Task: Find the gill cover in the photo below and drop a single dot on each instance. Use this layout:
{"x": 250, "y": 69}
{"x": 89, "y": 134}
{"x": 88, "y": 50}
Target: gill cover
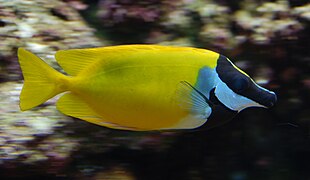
{"x": 237, "y": 91}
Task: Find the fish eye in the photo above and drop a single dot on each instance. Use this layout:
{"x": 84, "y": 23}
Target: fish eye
{"x": 241, "y": 84}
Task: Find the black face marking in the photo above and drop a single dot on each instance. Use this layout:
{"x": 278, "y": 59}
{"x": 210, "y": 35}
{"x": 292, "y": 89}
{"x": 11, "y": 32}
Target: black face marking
{"x": 220, "y": 113}
{"x": 242, "y": 84}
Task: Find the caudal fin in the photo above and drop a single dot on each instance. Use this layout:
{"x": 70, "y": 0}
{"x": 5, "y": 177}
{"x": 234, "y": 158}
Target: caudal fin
{"x": 41, "y": 82}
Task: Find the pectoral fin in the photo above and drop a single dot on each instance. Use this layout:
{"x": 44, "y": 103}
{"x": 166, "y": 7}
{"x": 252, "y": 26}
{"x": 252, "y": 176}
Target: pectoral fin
{"x": 194, "y": 100}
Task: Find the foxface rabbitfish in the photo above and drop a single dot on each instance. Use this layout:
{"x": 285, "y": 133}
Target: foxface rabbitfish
{"x": 142, "y": 87}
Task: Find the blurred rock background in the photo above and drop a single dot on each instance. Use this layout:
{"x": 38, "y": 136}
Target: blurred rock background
{"x": 267, "y": 39}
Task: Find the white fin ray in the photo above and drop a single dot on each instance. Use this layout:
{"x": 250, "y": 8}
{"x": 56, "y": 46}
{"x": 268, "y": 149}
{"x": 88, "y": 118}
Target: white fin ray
{"x": 190, "y": 99}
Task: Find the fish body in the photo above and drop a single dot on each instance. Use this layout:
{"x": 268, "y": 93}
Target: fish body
{"x": 140, "y": 87}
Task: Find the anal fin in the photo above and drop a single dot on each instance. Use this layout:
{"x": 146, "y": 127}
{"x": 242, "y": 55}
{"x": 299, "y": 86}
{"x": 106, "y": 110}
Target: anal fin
{"x": 74, "y": 106}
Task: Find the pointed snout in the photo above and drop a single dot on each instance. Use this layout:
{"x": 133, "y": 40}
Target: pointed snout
{"x": 270, "y": 99}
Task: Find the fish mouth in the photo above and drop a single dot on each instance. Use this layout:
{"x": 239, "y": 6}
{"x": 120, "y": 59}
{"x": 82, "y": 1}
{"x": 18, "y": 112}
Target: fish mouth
{"x": 270, "y": 100}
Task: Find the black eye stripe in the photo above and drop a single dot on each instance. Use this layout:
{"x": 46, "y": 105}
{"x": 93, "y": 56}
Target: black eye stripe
{"x": 240, "y": 84}
{"x": 233, "y": 78}
{"x": 230, "y": 76}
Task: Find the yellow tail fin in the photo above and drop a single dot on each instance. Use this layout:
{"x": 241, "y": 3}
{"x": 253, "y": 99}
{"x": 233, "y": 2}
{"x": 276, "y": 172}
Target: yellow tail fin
{"x": 41, "y": 82}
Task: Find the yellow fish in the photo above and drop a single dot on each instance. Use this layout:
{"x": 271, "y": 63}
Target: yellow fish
{"x": 142, "y": 87}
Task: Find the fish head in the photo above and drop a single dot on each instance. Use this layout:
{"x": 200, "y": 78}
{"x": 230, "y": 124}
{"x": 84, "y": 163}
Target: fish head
{"x": 236, "y": 90}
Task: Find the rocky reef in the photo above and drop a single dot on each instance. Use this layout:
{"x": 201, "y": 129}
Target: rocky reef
{"x": 30, "y": 139}
{"x": 43, "y": 142}
{"x": 224, "y": 25}
{"x": 42, "y": 27}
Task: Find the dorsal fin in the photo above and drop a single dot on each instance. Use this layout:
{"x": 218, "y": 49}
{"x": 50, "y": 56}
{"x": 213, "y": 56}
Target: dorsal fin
{"x": 74, "y": 61}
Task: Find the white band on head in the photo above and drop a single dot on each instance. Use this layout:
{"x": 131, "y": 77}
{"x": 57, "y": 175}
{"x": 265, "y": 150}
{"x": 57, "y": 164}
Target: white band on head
{"x": 231, "y": 99}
